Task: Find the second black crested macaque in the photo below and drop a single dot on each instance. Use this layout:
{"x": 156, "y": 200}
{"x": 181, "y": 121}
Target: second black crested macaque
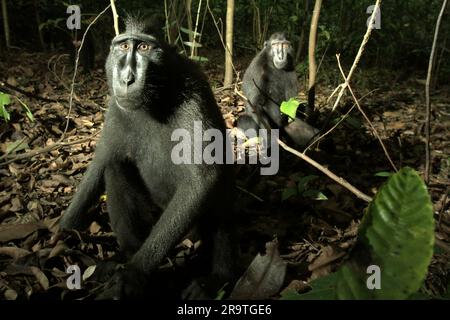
{"x": 155, "y": 91}
{"x": 269, "y": 80}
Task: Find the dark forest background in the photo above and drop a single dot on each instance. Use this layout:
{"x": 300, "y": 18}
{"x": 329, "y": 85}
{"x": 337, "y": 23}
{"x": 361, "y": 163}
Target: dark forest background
{"x": 314, "y": 219}
{"x": 402, "y": 45}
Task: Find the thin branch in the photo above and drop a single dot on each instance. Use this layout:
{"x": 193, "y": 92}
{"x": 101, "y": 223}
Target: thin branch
{"x": 375, "y": 132}
{"x": 60, "y": 142}
{"x": 115, "y": 16}
{"x": 72, "y": 86}
{"x": 194, "y": 39}
{"x": 327, "y": 172}
{"x": 337, "y": 124}
{"x": 359, "y": 54}
{"x": 250, "y": 194}
{"x": 166, "y": 14}
{"x": 27, "y": 94}
{"x": 49, "y": 148}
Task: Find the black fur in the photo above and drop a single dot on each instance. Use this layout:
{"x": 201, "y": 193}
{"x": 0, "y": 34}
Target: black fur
{"x": 153, "y": 93}
{"x": 268, "y": 81}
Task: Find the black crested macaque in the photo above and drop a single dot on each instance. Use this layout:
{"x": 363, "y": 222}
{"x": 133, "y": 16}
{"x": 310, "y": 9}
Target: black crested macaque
{"x": 155, "y": 91}
{"x": 268, "y": 81}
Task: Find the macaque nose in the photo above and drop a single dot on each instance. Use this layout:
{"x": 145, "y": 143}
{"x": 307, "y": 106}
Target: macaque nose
{"x": 128, "y": 77}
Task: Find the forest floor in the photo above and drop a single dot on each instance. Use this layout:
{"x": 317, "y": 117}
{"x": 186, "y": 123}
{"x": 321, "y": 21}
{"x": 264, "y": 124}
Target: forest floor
{"x": 314, "y": 236}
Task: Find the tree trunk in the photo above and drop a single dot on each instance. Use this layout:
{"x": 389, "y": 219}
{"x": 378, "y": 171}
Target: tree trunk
{"x": 229, "y": 45}
{"x": 38, "y": 23}
{"x": 312, "y": 58}
{"x": 6, "y": 24}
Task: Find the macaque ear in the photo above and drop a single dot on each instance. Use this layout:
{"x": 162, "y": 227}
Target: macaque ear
{"x": 266, "y": 43}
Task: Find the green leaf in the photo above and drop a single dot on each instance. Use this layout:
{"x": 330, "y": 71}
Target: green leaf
{"x": 419, "y": 296}
{"x": 191, "y": 32}
{"x": 447, "y": 294}
{"x": 288, "y": 192}
{"x": 353, "y": 122}
{"x": 326, "y": 34}
{"x": 398, "y": 234}
{"x": 4, "y": 100}
{"x": 221, "y": 292}
{"x": 200, "y": 59}
{"x": 383, "y": 174}
{"x": 314, "y": 194}
{"x": 323, "y": 288}
{"x": 291, "y": 294}
{"x": 301, "y": 68}
{"x": 289, "y": 108}
{"x": 27, "y": 110}
{"x": 17, "y": 146}
{"x": 4, "y": 113}
{"x": 303, "y": 182}
{"x": 192, "y": 44}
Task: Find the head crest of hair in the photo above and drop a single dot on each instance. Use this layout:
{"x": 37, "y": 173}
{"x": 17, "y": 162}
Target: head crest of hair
{"x": 135, "y": 24}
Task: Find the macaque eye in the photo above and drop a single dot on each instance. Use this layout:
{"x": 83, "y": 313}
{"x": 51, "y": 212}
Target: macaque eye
{"x": 124, "y": 46}
{"x": 144, "y": 46}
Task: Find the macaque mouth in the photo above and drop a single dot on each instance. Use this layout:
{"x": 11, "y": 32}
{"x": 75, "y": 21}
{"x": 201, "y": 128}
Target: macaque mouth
{"x": 128, "y": 77}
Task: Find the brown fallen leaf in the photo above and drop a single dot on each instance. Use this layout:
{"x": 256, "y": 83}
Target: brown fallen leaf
{"x": 89, "y": 272}
{"x": 10, "y": 294}
{"x": 10, "y": 232}
{"x": 58, "y": 273}
{"x": 41, "y": 277}
{"x": 264, "y": 277}
{"x": 36, "y": 247}
{"x": 322, "y": 265}
{"x": 36, "y": 207}
{"x": 13, "y": 252}
{"x": 52, "y": 224}
{"x": 59, "y": 248}
{"x": 12, "y": 81}
{"x": 62, "y": 179}
{"x": 395, "y": 125}
{"x": 16, "y": 205}
{"x": 94, "y": 228}
{"x": 14, "y": 269}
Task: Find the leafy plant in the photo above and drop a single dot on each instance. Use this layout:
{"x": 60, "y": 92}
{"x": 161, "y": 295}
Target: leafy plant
{"x": 396, "y": 235}
{"x": 4, "y": 101}
{"x": 289, "y": 108}
{"x": 27, "y": 110}
{"x": 16, "y": 146}
{"x": 383, "y": 174}
{"x": 292, "y": 107}
{"x": 303, "y": 189}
